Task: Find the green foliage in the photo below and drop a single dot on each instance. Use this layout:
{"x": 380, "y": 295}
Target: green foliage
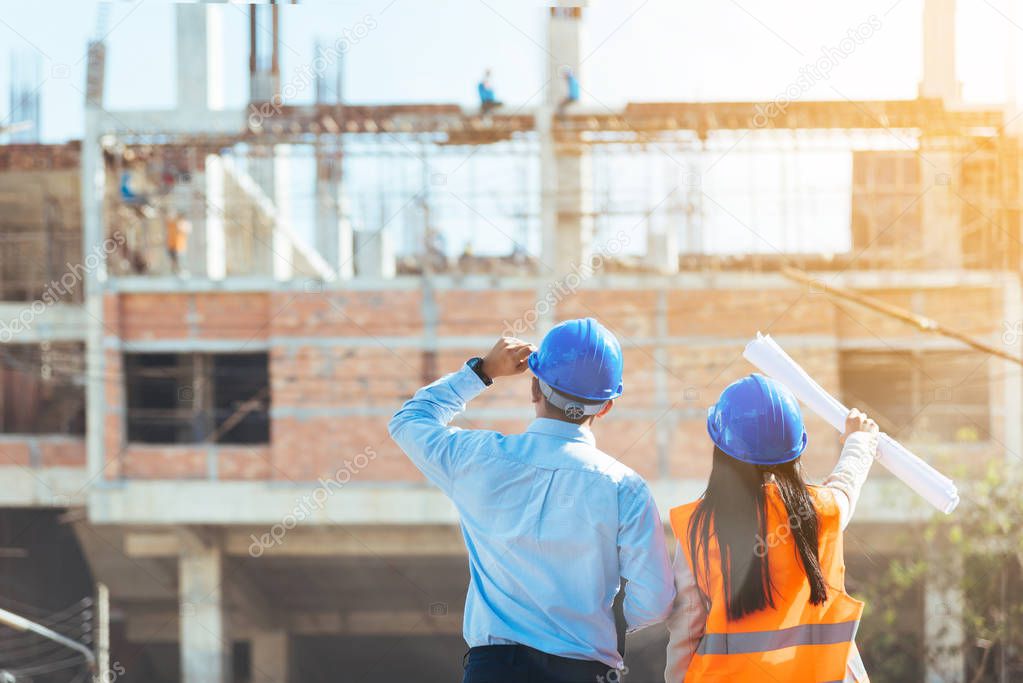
{"x": 977, "y": 553}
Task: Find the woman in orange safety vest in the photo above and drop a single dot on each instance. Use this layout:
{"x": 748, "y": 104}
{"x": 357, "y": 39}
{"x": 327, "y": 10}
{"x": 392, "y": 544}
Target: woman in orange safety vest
{"x": 759, "y": 568}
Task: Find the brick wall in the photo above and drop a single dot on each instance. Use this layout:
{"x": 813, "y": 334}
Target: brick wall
{"x": 28, "y": 157}
{"x": 342, "y": 362}
{"x": 25, "y": 450}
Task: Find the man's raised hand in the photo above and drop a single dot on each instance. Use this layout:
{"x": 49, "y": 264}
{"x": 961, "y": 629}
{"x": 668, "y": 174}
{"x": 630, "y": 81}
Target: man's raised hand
{"x": 508, "y": 357}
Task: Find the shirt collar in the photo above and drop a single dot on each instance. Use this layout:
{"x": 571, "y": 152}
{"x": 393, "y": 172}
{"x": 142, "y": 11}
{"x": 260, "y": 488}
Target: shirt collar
{"x": 562, "y": 430}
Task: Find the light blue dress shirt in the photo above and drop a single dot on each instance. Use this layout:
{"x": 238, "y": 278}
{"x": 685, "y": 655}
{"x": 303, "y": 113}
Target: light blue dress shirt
{"x": 550, "y": 523}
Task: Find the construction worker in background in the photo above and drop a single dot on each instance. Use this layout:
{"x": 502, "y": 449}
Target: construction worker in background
{"x": 179, "y": 229}
{"x": 571, "y": 91}
{"x": 551, "y": 523}
{"x": 488, "y": 100}
{"x": 759, "y": 569}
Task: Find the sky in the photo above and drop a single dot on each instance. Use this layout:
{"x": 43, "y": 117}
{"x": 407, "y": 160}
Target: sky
{"x": 652, "y": 50}
{"x": 435, "y": 52}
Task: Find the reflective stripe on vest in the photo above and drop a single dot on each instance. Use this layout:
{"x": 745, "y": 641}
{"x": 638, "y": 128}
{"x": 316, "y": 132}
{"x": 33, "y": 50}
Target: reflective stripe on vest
{"x": 765, "y": 641}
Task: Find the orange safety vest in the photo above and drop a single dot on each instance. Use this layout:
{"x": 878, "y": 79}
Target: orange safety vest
{"x": 793, "y": 642}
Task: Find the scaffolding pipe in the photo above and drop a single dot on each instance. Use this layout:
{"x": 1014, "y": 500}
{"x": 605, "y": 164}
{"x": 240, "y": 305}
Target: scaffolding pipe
{"x": 922, "y": 323}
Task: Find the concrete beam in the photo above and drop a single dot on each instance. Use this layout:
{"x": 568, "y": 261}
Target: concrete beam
{"x": 370, "y": 506}
{"x": 422, "y": 342}
{"x": 159, "y": 626}
{"x": 33, "y": 322}
{"x": 316, "y": 541}
{"x": 42, "y": 487}
{"x": 137, "y": 124}
{"x": 688, "y": 281}
{"x": 151, "y": 544}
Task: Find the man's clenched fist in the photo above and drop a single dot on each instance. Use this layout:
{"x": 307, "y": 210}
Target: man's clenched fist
{"x": 508, "y": 357}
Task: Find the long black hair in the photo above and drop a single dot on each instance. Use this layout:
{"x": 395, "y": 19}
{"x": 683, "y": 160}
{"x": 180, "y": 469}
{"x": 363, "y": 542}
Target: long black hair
{"x": 735, "y": 504}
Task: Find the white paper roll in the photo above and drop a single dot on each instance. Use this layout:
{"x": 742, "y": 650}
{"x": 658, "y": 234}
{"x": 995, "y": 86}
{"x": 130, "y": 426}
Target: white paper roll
{"x": 771, "y": 359}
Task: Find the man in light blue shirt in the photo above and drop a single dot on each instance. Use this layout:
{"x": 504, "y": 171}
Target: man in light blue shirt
{"x": 551, "y": 523}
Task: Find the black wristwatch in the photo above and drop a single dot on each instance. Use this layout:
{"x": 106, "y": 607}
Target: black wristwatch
{"x": 477, "y": 366}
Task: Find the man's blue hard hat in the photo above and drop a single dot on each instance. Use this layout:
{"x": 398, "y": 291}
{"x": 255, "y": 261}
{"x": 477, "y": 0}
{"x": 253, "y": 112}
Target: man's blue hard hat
{"x": 580, "y": 358}
{"x": 757, "y": 420}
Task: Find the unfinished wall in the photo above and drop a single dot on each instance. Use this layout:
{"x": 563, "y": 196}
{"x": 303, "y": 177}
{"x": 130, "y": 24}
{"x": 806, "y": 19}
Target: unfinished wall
{"x": 40, "y": 220}
{"x": 340, "y": 363}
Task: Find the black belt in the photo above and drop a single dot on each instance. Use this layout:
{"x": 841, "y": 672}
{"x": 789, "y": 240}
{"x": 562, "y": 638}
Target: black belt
{"x": 552, "y": 664}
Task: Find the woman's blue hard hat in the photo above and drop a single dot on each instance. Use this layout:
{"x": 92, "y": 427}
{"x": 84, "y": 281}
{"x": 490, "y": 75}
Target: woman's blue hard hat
{"x": 758, "y": 421}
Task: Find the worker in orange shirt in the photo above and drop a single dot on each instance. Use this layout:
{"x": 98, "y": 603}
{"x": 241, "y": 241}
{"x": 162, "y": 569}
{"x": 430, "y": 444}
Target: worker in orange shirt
{"x": 759, "y": 571}
{"x": 178, "y": 230}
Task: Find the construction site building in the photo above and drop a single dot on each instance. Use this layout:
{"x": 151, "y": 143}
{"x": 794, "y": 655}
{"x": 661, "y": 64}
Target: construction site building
{"x": 198, "y": 386}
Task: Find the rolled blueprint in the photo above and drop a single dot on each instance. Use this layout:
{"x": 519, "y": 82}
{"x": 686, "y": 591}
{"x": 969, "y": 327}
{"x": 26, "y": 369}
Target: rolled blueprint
{"x": 931, "y": 485}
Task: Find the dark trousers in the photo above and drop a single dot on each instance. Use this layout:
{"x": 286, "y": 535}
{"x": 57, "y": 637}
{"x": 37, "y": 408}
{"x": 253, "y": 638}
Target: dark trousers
{"x": 521, "y": 664}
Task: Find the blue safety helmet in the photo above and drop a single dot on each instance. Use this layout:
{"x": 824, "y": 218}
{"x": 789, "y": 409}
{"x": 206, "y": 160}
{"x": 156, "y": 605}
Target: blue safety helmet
{"x": 757, "y": 420}
{"x": 580, "y": 358}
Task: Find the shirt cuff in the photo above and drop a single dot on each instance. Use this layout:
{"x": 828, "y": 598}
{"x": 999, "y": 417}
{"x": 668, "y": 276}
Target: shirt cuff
{"x": 466, "y": 383}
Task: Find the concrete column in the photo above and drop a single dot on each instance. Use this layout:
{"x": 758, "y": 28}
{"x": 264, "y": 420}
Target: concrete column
{"x": 191, "y": 57}
{"x": 566, "y": 176}
{"x": 662, "y": 246}
{"x": 943, "y": 632}
{"x": 574, "y": 202}
{"x": 271, "y": 657}
{"x": 564, "y": 46}
{"x": 283, "y": 250}
{"x": 940, "y": 207}
{"x": 374, "y": 254}
{"x": 215, "y": 241}
{"x": 940, "y": 52}
{"x": 205, "y": 642}
{"x": 93, "y": 181}
{"x": 333, "y": 225}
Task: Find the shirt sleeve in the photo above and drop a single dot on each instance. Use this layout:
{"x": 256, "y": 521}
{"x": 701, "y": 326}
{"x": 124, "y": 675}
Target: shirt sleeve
{"x": 686, "y": 623}
{"x": 851, "y": 471}
{"x": 643, "y": 558}
{"x": 421, "y": 428}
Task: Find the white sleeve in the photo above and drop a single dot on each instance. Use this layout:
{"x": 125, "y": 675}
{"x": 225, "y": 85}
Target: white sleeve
{"x": 851, "y": 471}
{"x": 686, "y": 623}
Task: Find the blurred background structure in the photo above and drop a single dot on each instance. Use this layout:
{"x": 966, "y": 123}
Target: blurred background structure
{"x": 208, "y": 316}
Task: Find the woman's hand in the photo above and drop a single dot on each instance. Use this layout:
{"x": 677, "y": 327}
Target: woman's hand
{"x": 857, "y": 421}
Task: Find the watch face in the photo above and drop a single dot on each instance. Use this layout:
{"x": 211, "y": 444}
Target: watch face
{"x": 474, "y": 364}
